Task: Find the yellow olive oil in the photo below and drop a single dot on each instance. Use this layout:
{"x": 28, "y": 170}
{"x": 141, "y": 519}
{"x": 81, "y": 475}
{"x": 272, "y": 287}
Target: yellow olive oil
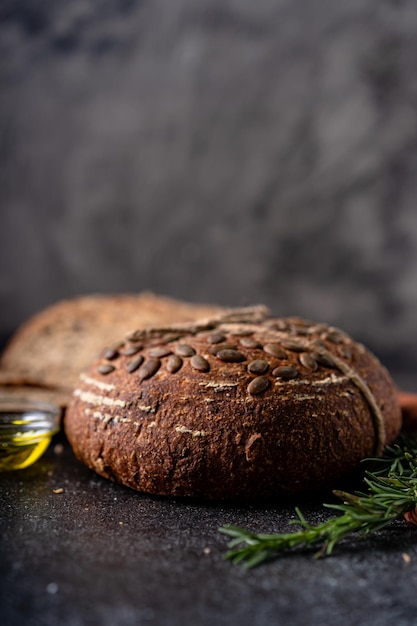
{"x": 23, "y": 439}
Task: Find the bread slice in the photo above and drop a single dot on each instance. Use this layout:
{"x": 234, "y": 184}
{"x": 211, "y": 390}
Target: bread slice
{"x": 50, "y": 349}
{"x": 58, "y": 396}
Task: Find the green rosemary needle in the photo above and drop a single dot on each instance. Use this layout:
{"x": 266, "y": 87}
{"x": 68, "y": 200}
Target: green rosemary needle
{"x": 391, "y": 492}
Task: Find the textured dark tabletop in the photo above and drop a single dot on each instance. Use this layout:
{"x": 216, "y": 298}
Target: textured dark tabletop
{"x": 101, "y": 554}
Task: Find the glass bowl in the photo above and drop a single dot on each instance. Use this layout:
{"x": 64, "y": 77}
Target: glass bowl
{"x": 26, "y": 430}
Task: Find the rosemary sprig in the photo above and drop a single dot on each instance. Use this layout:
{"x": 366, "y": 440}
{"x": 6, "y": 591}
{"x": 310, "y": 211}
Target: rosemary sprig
{"x": 391, "y": 492}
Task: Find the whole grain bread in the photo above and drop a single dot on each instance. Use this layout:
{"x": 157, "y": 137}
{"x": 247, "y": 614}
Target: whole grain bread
{"x": 50, "y": 349}
{"x": 239, "y": 406}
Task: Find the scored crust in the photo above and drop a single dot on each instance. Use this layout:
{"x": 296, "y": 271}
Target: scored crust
{"x": 238, "y": 406}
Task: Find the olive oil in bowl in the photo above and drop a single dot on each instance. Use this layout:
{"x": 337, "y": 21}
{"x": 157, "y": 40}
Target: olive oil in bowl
{"x": 26, "y": 430}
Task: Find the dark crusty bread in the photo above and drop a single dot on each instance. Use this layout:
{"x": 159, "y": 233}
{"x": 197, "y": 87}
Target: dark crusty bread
{"x": 51, "y": 348}
{"x": 239, "y": 406}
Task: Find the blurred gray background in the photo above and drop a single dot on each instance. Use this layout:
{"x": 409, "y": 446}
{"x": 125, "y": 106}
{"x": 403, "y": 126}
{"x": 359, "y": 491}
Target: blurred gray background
{"x": 217, "y": 151}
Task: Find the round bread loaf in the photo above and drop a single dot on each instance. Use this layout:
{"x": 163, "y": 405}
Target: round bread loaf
{"x": 240, "y": 406}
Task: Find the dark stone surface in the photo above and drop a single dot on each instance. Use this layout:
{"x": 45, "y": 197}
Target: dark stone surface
{"x": 100, "y": 555}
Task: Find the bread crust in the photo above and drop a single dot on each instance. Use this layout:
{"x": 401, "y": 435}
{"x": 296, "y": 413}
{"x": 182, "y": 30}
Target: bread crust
{"x": 298, "y": 410}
